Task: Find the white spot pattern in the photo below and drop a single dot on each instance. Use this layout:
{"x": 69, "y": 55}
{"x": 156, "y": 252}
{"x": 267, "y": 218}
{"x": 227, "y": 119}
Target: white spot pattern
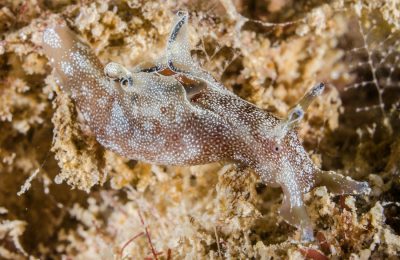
{"x": 67, "y": 68}
{"x": 51, "y": 38}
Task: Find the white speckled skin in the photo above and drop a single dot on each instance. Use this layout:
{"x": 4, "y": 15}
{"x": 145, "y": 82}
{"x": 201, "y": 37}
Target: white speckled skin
{"x": 176, "y": 114}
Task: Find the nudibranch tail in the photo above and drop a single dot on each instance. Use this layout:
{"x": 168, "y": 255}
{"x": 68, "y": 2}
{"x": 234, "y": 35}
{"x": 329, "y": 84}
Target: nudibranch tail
{"x": 81, "y": 74}
{"x": 65, "y": 50}
{"x": 55, "y": 42}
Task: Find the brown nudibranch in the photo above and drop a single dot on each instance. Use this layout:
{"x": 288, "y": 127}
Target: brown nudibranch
{"x": 175, "y": 113}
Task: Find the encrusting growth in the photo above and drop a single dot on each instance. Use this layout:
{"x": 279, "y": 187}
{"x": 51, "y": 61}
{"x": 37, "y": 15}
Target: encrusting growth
{"x": 174, "y": 113}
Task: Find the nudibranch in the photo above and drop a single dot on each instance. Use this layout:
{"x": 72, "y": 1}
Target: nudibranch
{"x": 172, "y": 112}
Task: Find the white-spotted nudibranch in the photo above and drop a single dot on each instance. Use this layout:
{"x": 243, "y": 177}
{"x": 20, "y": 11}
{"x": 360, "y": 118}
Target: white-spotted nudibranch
{"x": 174, "y": 113}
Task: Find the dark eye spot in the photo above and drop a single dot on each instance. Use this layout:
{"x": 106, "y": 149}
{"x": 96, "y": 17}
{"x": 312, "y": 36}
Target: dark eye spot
{"x": 277, "y": 148}
{"x": 126, "y": 82}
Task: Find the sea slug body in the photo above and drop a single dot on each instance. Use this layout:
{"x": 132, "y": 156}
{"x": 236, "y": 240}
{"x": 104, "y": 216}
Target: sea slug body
{"x": 175, "y": 113}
